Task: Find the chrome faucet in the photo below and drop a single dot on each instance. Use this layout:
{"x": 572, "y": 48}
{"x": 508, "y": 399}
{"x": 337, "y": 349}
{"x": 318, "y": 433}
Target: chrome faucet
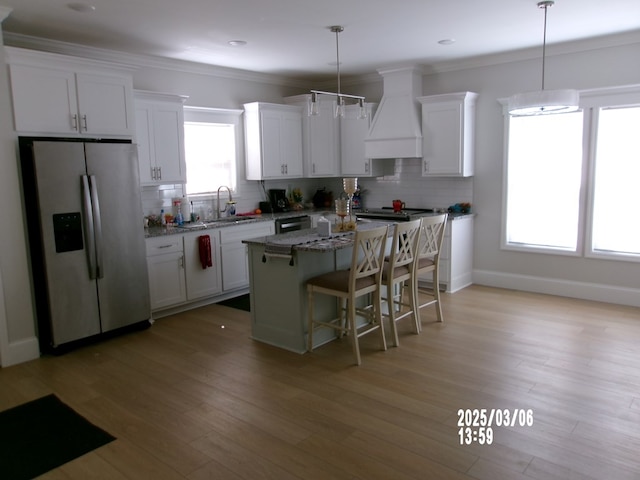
{"x": 218, "y": 207}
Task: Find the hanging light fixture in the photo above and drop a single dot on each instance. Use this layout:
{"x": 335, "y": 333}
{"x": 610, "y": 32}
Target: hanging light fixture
{"x": 340, "y": 97}
{"x": 544, "y": 102}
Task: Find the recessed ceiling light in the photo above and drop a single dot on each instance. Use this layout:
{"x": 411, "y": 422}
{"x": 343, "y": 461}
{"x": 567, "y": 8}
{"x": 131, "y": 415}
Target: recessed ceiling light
{"x": 237, "y": 43}
{"x": 447, "y": 41}
{"x": 81, "y": 7}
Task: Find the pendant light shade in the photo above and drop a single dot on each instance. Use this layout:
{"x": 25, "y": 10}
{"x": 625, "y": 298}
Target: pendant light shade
{"x": 340, "y": 97}
{"x": 544, "y": 102}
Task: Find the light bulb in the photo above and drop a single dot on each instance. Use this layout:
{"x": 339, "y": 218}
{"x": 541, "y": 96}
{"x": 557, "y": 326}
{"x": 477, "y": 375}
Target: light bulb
{"x": 362, "y": 110}
{"x": 340, "y": 108}
{"x": 313, "y": 104}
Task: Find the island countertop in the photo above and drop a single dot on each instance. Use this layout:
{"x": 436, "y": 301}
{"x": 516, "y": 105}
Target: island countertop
{"x": 279, "y": 267}
{"x": 308, "y": 240}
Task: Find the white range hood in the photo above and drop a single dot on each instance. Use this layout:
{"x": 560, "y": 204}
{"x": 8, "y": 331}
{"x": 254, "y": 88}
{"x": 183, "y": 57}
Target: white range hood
{"x": 396, "y": 129}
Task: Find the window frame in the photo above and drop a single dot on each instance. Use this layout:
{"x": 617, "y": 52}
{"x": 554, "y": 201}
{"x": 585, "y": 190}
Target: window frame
{"x": 590, "y": 101}
{"x": 224, "y": 116}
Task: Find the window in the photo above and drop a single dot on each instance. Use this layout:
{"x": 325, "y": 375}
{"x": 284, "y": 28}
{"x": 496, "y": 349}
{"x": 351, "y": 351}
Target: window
{"x": 543, "y": 179}
{"x": 616, "y": 221}
{"x": 570, "y": 179}
{"x": 211, "y": 139}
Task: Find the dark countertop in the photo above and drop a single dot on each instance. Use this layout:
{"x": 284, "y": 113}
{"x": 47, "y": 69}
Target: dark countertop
{"x": 308, "y": 240}
{"x": 223, "y": 223}
{"x": 242, "y": 220}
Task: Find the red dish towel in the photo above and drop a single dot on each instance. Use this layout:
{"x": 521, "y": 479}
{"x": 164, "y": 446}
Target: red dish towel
{"x": 204, "y": 244}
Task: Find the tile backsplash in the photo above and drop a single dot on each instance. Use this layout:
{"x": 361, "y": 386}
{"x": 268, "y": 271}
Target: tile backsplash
{"x": 403, "y": 180}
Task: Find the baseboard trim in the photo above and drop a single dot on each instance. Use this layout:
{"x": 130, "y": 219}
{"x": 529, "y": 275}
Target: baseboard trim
{"x": 21, "y": 351}
{"x": 562, "y": 288}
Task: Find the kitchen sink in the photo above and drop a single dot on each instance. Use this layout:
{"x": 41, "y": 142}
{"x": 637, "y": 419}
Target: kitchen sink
{"x": 229, "y": 220}
{"x": 213, "y": 223}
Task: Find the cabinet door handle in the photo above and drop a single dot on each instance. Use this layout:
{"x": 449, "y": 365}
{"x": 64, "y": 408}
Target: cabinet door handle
{"x": 181, "y": 260}
{"x": 286, "y": 169}
{"x": 159, "y": 173}
{"x": 74, "y": 122}
{"x": 425, "y": 166}
{"x": 313, "y": 168}
{"x": 84, "y": 122}
{"x": 366, "y": 167}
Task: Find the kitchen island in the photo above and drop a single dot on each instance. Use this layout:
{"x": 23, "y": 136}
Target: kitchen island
{"x": 279, "y": 266}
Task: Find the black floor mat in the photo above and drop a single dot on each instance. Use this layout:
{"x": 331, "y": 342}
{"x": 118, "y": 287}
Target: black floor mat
{"x": 241, "y": 303}
{"x": 43, "y": 434}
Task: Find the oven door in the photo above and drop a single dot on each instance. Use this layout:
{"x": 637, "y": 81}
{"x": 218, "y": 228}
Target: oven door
{"x": 291, "y": 224}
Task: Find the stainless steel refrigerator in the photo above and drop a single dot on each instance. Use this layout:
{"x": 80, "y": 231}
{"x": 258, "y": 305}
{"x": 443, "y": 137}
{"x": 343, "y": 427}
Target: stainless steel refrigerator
{"x": 86, "y": 235}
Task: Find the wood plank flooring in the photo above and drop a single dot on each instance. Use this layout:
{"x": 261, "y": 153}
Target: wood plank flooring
{"x": 194, "y": 397}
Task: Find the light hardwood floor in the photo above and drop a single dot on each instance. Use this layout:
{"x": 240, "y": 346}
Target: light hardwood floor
{"x": 194, "y": 397}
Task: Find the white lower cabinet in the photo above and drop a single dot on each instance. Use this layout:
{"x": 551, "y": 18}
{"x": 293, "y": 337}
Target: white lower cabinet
{"x": 233, "y": 253}
{"x": 165, "y": 262}
{"x": 201, "y": 282}
{"x": 176, "y": 276}
{"x": 456, "y": 258}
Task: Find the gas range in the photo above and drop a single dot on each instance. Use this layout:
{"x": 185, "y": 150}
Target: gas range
{"x": 387, "y": 213}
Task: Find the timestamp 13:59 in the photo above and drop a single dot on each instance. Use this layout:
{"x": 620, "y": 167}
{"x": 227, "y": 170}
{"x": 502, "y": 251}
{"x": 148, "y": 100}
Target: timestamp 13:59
{"x": 479, "y": 435}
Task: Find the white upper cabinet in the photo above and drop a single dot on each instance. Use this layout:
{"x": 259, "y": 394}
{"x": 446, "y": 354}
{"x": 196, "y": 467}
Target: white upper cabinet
{"x": 60, "y": 95}
{"x": 353, "y": 132}
{"x": 320, "y": 137}
{"x": 160, "y": 137}
{"x": 448, "y": 132}
{"x": 273, "y": 141}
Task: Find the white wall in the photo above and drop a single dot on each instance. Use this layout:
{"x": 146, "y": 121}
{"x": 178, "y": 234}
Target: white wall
{"x": 17, "y": 327}
{"x": 587, "y": 278}
{"x": 613, "y": 281}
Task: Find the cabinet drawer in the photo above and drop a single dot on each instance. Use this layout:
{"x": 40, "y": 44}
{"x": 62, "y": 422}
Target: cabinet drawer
{"x": 242, "y": 232}
{"x": 162, "y": 245}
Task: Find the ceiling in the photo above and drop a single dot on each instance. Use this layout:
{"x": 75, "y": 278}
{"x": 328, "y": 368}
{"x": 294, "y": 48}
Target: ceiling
{"x": 292, "y": 37}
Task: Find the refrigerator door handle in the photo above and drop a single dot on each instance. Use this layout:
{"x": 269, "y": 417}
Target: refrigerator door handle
{"x": 89, "y": 230}
{"x": 95, "y": 207}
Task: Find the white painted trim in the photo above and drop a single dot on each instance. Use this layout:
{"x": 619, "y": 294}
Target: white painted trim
{"x": 4, "y": 332}
{"x": 4, "y": 12}
{"x": 563, "y": 288}
{"x": 112, "y": 56}
{"x": 21, "y": 351}
{"x": 16, "y": 352}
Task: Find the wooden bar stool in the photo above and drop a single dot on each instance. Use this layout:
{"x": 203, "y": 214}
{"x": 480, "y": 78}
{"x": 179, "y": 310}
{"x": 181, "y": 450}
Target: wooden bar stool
{"x": 363, "y": 278}
{"x": 398, "y": 271}
{"x": 428, "y": 260}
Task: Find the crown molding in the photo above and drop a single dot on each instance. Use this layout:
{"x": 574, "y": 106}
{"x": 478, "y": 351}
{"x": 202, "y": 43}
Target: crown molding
{"x": 577, "y": 46}
{"x": 148, "y": 61}
{"x": 4, "y": 13}
{"x": 142, "y": 61}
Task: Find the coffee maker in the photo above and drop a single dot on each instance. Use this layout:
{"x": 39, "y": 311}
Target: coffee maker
{"x": 279, "y": 200}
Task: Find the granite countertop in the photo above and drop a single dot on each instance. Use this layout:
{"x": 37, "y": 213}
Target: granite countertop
{"x": 242, "y": 220}
{"x": 222, "y": 223}
{"x": 308, "y": 240}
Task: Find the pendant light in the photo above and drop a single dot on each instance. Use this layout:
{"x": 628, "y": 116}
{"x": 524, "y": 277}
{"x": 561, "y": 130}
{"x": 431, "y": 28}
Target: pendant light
{"x": 544, "y": 102}
{"x": 340, "y": 97}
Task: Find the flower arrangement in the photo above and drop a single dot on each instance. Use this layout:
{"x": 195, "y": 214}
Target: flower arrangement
{"x": 296, "y": 195}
